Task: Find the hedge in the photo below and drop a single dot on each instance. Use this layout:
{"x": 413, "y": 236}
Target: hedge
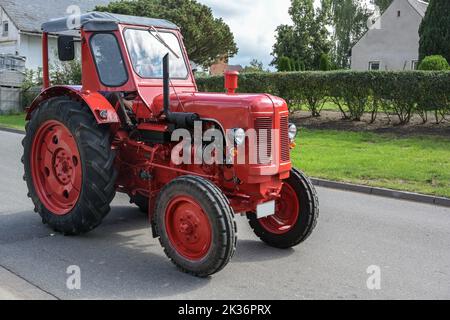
{"x": 400, "y": 93}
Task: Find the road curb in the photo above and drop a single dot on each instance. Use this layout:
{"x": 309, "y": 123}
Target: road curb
{"x": 387, "y": 193}
{"x": 11, "y": 130}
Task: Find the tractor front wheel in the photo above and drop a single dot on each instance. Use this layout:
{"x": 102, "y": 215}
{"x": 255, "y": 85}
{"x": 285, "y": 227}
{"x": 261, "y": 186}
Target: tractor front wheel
{"x": 295, "y": 215}
{"x": 69, "y": 166}
{"x": 195, "y": 224}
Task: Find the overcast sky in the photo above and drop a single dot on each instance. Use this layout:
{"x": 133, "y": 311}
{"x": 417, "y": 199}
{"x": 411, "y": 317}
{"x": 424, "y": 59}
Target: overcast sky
{"x": 253, "y": 23}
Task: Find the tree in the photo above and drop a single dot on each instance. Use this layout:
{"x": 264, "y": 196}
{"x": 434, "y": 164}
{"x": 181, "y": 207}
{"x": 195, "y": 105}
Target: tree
{"x": 254, "y": 66}
{"x": 383, "y": 4}
{"x": 325, "y": 63}
{"x": 435, "y": 30}
{"x": 306, "y": 39}
{"x": 207, "y": 39}
{"x": 284, "y": 64}
{"x": 349, "y": 20}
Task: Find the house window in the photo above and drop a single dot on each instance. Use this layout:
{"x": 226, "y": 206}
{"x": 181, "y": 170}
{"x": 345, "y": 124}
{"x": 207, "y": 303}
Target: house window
{"x": 414, "y": 65}
{"x": 374, "y": 65}
{"x": 5, "y": 28}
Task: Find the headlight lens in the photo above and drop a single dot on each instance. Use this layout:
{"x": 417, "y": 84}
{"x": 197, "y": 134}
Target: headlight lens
{"x": 239, "y": 136}
{"x": 292, "y": 131}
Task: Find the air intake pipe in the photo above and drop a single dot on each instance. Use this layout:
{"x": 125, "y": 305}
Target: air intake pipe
{"x": 180, "y": 119}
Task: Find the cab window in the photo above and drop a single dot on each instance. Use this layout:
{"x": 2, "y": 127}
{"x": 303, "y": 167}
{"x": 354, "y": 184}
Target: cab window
{"x": 146, "y": 53}
{"x": 108, "y": 59}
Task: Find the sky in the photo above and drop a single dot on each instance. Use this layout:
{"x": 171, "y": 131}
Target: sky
{"x": 253, "y": 23}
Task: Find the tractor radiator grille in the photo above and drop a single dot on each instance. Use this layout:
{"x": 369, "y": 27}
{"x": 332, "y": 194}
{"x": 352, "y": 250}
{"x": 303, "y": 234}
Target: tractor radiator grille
{"x": 263, "y": 127}
{"x": 284, "y": 139}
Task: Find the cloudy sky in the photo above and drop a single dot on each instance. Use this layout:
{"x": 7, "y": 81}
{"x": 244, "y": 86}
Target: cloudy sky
{"x": 253, "y": 23}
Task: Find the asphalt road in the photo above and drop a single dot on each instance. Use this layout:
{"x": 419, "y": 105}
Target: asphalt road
{"x": 409, "y": 242}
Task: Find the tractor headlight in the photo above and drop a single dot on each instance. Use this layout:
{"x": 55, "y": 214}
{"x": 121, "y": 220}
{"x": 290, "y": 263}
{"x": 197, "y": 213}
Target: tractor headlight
{"x": 292, "y": 132}
{"x": 239, "y": 136}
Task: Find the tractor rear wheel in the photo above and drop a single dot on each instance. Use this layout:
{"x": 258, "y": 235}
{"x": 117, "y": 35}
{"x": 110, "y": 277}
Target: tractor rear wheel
{"x": 69, "y": 166}
{"x": 195, "y": 224}
{"x": 295, "y": 215}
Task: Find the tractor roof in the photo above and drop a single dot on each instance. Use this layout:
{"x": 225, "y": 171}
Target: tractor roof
{"x": 102, "y": 21}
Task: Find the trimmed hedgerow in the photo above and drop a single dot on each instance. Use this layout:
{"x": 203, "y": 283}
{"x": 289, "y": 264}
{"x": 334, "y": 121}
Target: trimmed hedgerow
{"x": 355, "y": 93}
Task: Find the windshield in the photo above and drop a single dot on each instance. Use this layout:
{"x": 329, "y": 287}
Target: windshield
{"x": 146, "y": 53}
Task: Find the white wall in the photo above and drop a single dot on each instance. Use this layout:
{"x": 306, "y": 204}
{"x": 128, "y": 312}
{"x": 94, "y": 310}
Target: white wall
{"x": 8, "y": 44}
{"x": 31, "y": 48}
{"x": 395, "y": 44}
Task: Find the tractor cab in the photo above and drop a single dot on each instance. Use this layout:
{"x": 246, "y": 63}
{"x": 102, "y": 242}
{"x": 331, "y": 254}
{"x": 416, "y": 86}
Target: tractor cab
{"x": 138, "y": 125}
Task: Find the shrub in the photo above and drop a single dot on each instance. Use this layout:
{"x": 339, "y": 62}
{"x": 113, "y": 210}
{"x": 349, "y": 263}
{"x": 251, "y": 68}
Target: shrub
{"x": 285, "y": 64}
{"x": 325, "y": 63}
{"x": 397, "y": 93}
{"x": 434, "y": 63}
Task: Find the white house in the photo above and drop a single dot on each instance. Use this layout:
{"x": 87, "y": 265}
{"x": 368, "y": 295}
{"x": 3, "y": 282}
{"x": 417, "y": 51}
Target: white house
{"x": 20, "y": 25}
{"x": 392, "y": 43}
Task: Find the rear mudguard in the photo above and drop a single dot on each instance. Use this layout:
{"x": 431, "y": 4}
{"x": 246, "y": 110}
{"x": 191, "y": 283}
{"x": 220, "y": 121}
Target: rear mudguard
{"x": 94, "y": 100}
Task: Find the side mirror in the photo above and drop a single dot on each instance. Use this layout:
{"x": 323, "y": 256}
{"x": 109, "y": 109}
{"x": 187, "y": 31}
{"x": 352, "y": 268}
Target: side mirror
{"x": 66, "y": 48}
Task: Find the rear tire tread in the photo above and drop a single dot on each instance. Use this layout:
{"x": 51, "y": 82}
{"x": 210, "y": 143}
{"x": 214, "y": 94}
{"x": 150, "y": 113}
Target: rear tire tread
{"x": 97, "y": 159}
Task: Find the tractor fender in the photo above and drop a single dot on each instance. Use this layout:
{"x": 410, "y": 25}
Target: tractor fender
{"x": 94, "y": 100}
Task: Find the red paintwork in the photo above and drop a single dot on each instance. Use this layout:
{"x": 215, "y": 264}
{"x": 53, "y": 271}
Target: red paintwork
{"x": 286, "y": 212}
{"x": 188, "y": 228}
{"x": 245, "y": 185}
{"x": 231, "y": 81}
{"x": 56, "y": 167}
{"x": 45, "y": 69}
{"x": 94, "y": 100}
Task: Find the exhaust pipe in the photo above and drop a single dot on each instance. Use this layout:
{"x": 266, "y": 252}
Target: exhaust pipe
{"x": 180, "y": 119}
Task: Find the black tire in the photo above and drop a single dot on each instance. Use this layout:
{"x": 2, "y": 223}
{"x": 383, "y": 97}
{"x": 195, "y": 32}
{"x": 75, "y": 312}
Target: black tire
{"x": 221, "y": 217}
{"x": 140, "y": 201}
{"x": 97, "y": 161}
{"x": 308, "y": 215}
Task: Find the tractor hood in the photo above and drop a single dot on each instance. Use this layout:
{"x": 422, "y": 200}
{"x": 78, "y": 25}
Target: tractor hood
{"x": 230, "y": 110}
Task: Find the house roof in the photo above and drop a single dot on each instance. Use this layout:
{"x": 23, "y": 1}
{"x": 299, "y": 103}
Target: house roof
{"x": 29, "y": 15}
{"x": 102, "y": 21}
{"x": 420, "y": 6}
{"x": 235, "y": 68}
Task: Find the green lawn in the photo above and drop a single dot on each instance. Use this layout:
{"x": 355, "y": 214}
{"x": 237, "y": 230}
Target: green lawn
{"x": 419, "y": 164}
{"x": 15, "y": 121}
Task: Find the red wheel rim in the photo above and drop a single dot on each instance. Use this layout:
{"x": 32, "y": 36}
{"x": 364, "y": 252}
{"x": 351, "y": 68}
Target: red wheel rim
{"x": 188, "y": 228}
{"x": 56, "y": 167}
{"x": 286, "y": 212}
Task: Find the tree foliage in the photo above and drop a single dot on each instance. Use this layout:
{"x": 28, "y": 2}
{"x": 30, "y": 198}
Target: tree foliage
{"x": 383, "y": 4}
{"x": 254, "y": 66}
{"x": 325, "y": 63}
{"x": 435, "y": 30}
{"x": 304, "y": 41}
{"x": 349, "y": 19}
{"x": 207, "y": 39}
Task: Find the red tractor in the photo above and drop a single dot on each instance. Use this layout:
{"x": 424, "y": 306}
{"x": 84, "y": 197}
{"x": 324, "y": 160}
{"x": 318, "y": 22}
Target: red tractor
{"x": 116, "y": 132}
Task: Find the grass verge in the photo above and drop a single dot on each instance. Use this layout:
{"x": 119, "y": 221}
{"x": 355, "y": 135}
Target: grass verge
{"x": 416, "y": 164}
{"x": 14, "y": 121}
